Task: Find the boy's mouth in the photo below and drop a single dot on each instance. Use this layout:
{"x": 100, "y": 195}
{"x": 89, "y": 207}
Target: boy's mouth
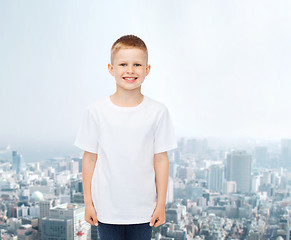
{"x": 130, "y": 79}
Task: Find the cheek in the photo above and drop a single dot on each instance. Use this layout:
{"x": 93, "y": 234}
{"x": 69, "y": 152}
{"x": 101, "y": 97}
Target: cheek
{"x": 141, "y": 72}
{"x": 118, "y": 72}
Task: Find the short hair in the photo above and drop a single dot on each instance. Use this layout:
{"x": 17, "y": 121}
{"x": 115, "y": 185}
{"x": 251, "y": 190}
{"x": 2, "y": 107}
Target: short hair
{"x": 128, "y": 41}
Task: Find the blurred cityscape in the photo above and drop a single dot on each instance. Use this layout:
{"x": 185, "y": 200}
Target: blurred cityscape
{"x": 215, "y": 191}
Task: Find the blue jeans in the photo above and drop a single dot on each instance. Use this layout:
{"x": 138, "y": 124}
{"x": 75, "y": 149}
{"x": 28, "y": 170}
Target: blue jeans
{"x": 141, "y": 231}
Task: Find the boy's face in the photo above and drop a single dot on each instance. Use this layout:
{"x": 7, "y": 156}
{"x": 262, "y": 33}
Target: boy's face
{"x": 129, "y": 68}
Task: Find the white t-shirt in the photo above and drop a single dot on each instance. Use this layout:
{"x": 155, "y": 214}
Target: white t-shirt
{"x": 125, "y": 138}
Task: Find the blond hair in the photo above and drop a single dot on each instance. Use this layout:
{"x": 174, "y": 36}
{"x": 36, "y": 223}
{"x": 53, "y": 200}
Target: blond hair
{"x": 128, "y": 41}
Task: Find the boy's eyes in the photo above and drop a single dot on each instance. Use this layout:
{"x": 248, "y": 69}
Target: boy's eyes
{"x": 124, "y": 64}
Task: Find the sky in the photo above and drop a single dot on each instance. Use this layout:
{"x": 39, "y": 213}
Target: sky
{"x": 221, "y": 67}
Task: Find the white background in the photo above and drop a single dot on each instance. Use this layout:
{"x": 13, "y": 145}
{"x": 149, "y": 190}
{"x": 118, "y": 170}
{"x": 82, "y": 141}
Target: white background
{"x": 223, "y": 68}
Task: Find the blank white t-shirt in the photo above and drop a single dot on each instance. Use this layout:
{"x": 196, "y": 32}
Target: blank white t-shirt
{"x": 125, "y": 139}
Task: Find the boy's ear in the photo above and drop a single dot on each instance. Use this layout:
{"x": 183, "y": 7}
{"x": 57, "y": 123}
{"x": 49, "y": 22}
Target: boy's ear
{"x": 110, "y": 69}
{"x": 148, "y": 68}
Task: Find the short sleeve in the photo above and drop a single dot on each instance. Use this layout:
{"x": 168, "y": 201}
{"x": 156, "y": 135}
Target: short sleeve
{"x": 164, "y": 136}
{"x": 88, "y": 133}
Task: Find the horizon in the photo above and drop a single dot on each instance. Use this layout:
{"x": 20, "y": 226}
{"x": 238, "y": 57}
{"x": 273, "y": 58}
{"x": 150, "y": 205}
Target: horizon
{"x": 43, "y": 151}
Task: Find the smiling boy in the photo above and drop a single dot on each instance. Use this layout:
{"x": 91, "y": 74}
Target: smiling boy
{"x": 129, "y": 133}
{"x": 129, "y": 67}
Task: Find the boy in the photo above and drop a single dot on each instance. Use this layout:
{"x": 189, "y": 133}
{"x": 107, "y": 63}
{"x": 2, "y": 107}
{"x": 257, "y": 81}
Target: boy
{"x": 130, "y": 134}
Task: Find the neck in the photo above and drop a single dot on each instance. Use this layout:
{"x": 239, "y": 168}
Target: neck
{"x": 127, "y": 98}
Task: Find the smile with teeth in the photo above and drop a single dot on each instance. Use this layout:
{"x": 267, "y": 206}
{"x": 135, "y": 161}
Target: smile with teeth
{"x": 130, "y": 79}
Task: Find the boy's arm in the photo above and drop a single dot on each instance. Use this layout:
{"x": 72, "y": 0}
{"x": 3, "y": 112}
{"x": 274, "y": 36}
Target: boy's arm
{"x": 88, "y": 165}
{"x": 161, "y": 165}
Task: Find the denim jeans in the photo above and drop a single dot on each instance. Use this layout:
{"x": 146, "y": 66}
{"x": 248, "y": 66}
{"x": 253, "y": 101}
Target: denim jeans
{"x": 140, "y": 231}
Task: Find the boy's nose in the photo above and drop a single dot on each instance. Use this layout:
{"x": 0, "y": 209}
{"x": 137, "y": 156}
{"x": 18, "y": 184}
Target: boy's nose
{"x": 130, "y": 69}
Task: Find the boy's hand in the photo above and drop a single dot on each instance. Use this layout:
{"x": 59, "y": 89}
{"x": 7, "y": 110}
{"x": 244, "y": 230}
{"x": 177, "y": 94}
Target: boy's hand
{"x": 158, "y": 217}
{"x": 90, "y": 215}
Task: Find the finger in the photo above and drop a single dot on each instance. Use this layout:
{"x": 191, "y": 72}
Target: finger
{"x": 152, "y": 221}
{"x": 89, "y": 220}
{"x": 158, "y": 222}
{"x": 95, "y": 221}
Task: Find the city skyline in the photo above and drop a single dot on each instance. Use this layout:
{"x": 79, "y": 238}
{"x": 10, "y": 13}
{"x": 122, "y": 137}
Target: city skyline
{"x": 211, "y": 194}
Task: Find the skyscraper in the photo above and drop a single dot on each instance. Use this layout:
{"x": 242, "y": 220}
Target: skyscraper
{"x": 44, "y": 208}
{"x": 261, "y": 156}
{"x": 57, "y": 228}
{"x": 286, "y": 153}
{"x": 238, "y": 169}
{"x": 215, "y": 178}
{"x": 76, "y": 187}
{"x": 16, "y": 161}
{"x": 71, "y": 222}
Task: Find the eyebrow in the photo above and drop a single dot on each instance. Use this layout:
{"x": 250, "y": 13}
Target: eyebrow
{"x": 133, "y": 62}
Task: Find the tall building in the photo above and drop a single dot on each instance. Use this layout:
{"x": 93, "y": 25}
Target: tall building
{"x": 255, "y": 183}
{"x": 202, "y": 146}
{"x": 16, "y": 161}
{"x": 261, "y": 156}
{"x": 177, "y": 156}
{"x": 238, "y": 169}
{"x": 266, "y": 178}
{"x": 197, "y": 146}
{"x": 215, "y": 178}
{"x": 182, "y": 145}
{"x": 74, "y": 167}
{"x": 170, "y": 190}
{"x": 172, "y": 169}
{"x": 44, "y": 208}
{"x": 186, "y": 173}
{"x": 286, "y": 153}
{"x": 79, "y": 160}
{"x": 71, "y": 222}
{"x": 76, "y": 187}
{"x": 57, "y": 228}
{"x": 192, "y": 146}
